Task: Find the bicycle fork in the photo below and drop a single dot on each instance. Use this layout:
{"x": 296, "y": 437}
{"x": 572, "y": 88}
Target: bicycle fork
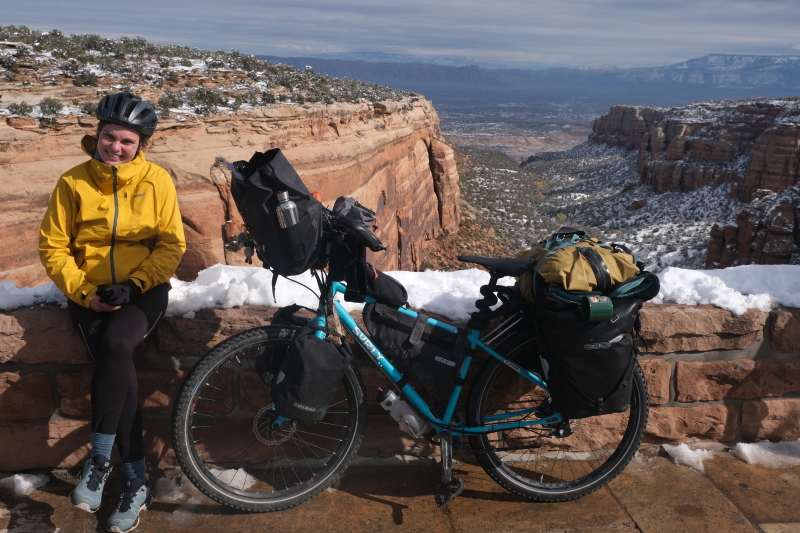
{"x": 451, "y": 486}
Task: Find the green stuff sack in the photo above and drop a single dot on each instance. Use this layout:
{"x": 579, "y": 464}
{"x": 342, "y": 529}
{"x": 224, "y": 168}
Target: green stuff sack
{"x": 573, "y": 262}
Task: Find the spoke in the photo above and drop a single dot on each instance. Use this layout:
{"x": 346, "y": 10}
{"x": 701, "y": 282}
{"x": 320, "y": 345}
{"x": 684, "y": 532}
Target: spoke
{"x": 318, "y": 435}
{"x": 217, "y": 388}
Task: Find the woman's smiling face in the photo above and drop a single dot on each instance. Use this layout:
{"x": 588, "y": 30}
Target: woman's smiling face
{"x": 117, "y": 144}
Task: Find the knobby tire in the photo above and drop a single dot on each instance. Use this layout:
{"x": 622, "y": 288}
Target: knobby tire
{"x": 536, "y": 464}
{"x": 224, "y": 442}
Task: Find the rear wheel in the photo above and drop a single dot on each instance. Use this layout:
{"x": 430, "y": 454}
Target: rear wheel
{"x": 535, "y": 461}
{"x": 223, "y": 435}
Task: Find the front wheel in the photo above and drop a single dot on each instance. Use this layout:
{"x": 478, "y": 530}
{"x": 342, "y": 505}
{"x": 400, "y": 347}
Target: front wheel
{"x": 222, "y": 428}
{"x": 536, "y": 461}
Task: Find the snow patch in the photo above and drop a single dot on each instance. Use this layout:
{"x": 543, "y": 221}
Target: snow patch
{"x": 769, "y": 454}
{"x": 683, "y": 455}
{"x": 735, "y": 289}
{"x": 24, "y": 484}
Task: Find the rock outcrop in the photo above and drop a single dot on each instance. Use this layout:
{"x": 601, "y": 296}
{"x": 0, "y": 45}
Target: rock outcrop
{"x": 767, "y": 232}
{"x": 389, "y": 155}
{"x": 754, "y": 145}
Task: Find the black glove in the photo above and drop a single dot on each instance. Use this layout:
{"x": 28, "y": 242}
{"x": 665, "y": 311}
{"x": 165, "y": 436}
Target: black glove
{"x": 119, "y": 294}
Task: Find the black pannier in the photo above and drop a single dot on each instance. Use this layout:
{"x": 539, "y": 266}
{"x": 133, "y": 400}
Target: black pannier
{"x": 309, "y": 375}
{"x": 431, "y": 356}
{"x": 255, "y": 187}
{"x": 588, "y": 367}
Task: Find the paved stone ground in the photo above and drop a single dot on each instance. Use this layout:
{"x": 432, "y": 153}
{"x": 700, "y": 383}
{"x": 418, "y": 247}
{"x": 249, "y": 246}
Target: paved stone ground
{"x": 652, "y": 495}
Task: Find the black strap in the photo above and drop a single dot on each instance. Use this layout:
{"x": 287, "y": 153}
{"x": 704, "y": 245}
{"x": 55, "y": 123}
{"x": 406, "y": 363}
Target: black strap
{"x": 598, "y": 266}
{"x": 461, "y": 343}
{"x": 274, "y": 282}
{"x": 402, "y": 382}
{"x": 418, "y": 329}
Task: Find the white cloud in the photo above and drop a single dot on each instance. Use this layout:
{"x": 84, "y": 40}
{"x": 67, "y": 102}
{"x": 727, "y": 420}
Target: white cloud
{"x": 515, "y": 32}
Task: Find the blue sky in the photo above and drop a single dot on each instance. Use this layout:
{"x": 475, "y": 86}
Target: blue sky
{"x": 510, "y": 33}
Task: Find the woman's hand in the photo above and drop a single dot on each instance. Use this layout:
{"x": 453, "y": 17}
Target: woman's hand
{"x": 99, "y": 306}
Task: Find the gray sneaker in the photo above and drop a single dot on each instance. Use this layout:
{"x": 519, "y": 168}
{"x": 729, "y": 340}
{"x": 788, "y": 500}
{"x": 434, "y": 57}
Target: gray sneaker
{"x": 135, "y": 498}
{"x": 89, "y": 492}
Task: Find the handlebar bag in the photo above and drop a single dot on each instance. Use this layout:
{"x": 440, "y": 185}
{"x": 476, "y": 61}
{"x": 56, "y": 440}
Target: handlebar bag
{"x": 309, "y": 375}
{"x": 588, "y": 367}
{"x": 255, "y": 187}
{"x": 430, "y": 355}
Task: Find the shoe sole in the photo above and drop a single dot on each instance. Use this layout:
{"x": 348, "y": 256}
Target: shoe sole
{"x": 82, "y": 506}
{"x": 115, "y": 529}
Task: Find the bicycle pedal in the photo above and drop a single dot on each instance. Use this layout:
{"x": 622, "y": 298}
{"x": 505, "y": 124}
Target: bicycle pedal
{"x": 448, "y": 491}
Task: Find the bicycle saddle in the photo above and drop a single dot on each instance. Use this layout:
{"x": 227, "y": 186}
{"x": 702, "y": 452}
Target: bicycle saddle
{"x": 513, "y": 266}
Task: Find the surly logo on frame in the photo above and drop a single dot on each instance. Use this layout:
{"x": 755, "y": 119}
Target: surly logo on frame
{"x": 367, "y": 343}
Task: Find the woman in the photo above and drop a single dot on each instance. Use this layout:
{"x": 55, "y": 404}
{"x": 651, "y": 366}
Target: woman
{"x": 111, "y": 239}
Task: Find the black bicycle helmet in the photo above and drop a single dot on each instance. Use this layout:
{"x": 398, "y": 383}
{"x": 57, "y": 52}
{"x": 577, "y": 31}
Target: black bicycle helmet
{"x": 128, "y": 110}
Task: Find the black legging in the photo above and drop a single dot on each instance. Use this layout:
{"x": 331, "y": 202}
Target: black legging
{"x": 111, "y": 338}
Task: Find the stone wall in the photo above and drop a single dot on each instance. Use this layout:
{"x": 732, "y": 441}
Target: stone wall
{"x": 711, "y": 375}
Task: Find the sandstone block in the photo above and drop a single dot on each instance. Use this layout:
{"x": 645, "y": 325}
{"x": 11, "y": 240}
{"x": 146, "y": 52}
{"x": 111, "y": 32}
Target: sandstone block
{"x": 774, "y": 420}
{"x": 43, "y": 444}
{"x": 669, "y": 328}
{"x": 158, "y": 449}
{"x": 40, "y": 335}
{"x": 674, "y": 424}
{"x": 253, "y": 393}
{"x": 158, "y": 389}
{"x": 195, "y": 336}
{"x": 698, "y": 381}
{"x": 784, "y": 328}
{"x": 75, "y": 389}
{"x": 658, "y": 374}
{"x": 373, "y": 380}
{"x": 25, "y": 395}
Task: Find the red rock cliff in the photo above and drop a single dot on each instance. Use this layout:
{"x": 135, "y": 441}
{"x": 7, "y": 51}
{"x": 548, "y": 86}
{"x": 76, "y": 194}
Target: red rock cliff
{"x": 754, "y": 145}
{"x": 389, "y": 155}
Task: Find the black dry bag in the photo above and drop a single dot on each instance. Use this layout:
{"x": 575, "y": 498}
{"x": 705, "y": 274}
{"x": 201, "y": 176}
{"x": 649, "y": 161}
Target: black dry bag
{"x": 309, "y": 375}
{"x": 588, "y": 367}
{"x": 255, "y": 187}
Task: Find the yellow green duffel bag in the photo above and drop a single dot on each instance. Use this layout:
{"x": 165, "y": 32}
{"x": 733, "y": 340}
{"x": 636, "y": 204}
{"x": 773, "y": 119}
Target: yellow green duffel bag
{"x": 574, "y": 263}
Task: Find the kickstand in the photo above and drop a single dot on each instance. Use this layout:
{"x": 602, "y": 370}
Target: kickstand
{"x": 451, "y": 487}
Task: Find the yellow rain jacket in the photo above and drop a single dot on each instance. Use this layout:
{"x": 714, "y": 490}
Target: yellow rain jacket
{"x": 105, "y": 225}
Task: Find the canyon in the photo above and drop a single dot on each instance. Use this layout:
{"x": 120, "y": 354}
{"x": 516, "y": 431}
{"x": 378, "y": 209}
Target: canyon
{"x": 389, "y": 155}
{"x": 751, "y": 146}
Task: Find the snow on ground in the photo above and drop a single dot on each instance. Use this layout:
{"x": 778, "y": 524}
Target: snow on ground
{"x": 769, "y": 454}
{"x": 451, "y": 294}
{"x": 24, "y": 484}
{"x": 683, "y": 455}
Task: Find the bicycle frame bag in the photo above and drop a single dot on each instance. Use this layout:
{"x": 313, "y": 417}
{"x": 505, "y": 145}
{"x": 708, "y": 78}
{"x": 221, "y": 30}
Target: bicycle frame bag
{"x": 588, "y": 367}
{"x": 309, "y": 375}
{"x": 430, "y": 355}
{"x": 255, "y": 187}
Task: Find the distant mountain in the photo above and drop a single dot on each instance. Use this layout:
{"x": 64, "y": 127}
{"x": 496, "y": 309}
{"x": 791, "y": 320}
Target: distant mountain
{"x": 382, "y": 57}
{"x": 592, "y": 90}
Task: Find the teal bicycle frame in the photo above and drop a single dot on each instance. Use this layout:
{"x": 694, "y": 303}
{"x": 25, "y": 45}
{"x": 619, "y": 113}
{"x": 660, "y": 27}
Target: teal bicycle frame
{"x": 492, "y": 422}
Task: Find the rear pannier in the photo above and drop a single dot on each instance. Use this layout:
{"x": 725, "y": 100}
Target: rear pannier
{"x": 586, "y": 297}
{"x": 588, "y": 367}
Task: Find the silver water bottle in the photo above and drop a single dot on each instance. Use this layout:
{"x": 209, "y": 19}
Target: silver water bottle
{"x": 286, "y": 210}
{"x": 410, "y": 421}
